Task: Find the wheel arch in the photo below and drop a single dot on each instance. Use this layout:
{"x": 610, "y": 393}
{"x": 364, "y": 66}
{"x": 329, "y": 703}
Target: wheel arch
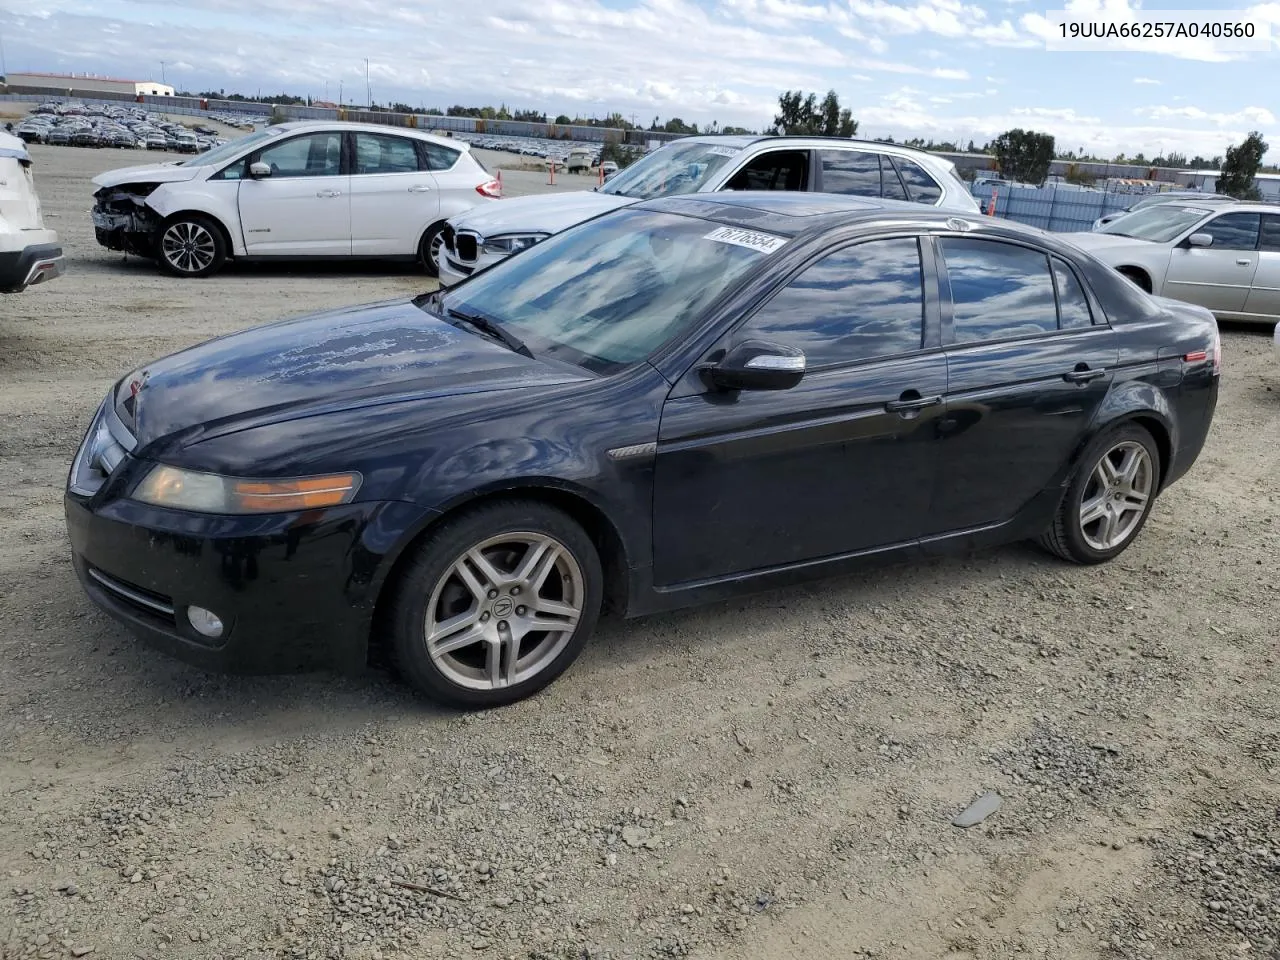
{"x": 213, "y": 218}
{"x": 573, "y": 500}
{"x": 1139, "y": 275}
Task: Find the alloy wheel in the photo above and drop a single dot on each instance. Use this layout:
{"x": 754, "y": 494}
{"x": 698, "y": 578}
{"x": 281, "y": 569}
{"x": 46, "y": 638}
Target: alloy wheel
{"x": 188, "y": 247}
{"x": 1116, "y": 496}
{"x": 504, "y": 610}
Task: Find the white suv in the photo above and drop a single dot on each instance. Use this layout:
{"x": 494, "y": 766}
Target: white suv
{"x": 292, "y": 191}
{"x": 29, "y": 254}
{"x": 861, "y": 168}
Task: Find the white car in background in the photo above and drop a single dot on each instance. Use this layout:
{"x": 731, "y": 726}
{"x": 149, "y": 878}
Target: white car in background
{"x": 1221, "y": 255}
{"x": 29, "y": 253}
{"x": 304, "y": 190}
{"x": 480, "y": 238}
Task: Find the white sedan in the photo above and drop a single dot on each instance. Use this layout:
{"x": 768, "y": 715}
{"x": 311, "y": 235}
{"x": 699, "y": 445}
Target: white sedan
{"x": 1224, "y": 256}
{"x": 313, "y": 190}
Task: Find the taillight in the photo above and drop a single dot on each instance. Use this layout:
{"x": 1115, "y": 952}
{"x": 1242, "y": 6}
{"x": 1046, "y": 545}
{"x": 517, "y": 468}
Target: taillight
{"x": 491, "y": 189}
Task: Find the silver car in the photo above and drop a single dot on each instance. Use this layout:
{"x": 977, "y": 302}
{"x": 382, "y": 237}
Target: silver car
{"x": 1220, "y": 255}
{"x": 482, "y": 237}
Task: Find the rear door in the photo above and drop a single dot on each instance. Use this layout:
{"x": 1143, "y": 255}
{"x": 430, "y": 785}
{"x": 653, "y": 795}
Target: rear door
{"x": 304, "y": 207}
{"x": 1219, "y": 276}
{"x": 842, "y": 462}
{"x": 1029, "y": 361}
{"x": 1264, "y": 296}
{"x": 394, "y": 197}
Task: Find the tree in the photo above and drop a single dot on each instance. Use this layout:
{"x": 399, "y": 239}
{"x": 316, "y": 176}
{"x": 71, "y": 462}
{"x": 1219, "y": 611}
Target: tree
{"x": 676, "y": 125}
{"x": 1023, "y": 155}
{"x": 563, "y": 118}
{"x": 1241, "y": 166}
{"x": 801, "y": 115}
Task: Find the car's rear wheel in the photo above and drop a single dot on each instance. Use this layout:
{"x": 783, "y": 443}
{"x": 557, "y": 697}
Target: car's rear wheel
{"x": 191, "y": 246}
{"x": 429, "y": 249}
{"x": 496, "y": 604}
{"x": 1109, "y": 498}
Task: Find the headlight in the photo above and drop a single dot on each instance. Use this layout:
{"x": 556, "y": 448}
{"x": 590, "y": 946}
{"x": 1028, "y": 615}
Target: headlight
{"x": 508, "y": 245}
{"x": 180, "y": 489}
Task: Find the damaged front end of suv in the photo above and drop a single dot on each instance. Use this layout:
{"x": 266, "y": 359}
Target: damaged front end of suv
{"x": 122, "y": 220}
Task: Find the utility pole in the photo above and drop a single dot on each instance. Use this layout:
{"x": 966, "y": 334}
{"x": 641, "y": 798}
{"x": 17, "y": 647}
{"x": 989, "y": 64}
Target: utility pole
{"x": 339, "y": 93}
{"x": 368, "y": 92}
{"x": 162, "y": 71}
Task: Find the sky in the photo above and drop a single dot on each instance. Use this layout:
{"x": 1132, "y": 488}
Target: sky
{"x": 944, "y": 69}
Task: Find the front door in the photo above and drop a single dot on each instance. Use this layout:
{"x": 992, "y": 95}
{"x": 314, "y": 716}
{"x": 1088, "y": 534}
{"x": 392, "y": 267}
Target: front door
{"x": 1217, "y": 276}
{"x": 304, "y": 207}
{"x": 394, "y": 197}
{"x": 1264, "y": 295}
{"x": 842, "y": 462}
{"x": 1028, "y": 364}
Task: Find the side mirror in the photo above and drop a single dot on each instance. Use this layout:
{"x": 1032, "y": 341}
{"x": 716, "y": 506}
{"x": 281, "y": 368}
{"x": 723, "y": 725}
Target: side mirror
{"x": 259, "y": 170}
{"x": 1200, "y": 240}
{"x": 756, "y": 365}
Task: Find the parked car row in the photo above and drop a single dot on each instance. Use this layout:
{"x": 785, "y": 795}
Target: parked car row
{"x": 80, "y": 126}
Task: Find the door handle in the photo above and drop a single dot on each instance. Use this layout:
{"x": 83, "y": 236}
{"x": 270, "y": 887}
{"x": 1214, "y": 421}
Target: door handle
{"x": 1083, "y": 376}
{"x": 907, "y": 403}
{"x": 328, "y": 193}
{"x": 1243, "y": 262}
{"x": 420, "y": 188}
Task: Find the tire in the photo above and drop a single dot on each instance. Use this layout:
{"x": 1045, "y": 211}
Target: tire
{"x": 475, "y": 609}
{"x": 1124, "y": 492}
{"x": 191, "y": 246}
{"x": 427, "y": 247}
{"x": 1137, "y": 278}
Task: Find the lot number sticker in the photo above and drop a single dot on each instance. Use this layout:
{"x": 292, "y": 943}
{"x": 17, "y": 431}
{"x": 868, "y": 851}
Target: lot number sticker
{"x": 763, "y": 242}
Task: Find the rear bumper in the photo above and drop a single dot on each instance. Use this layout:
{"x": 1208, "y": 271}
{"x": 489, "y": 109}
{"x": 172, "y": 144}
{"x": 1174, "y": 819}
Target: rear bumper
{"x": 38, "y": 263}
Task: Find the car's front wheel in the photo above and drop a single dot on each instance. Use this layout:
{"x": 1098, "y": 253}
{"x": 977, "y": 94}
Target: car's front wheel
{"x": 191, "y": 246}
{"x": 496, "y": 604}
{"x": 1109, "y": 498}
{"x": 429, "y": 249}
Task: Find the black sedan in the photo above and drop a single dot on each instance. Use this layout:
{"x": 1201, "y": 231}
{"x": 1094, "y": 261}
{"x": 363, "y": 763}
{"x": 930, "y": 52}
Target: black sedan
{"x": 672, "y": 403}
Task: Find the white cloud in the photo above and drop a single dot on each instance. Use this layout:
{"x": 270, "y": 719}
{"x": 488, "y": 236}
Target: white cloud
{"x": 1146, "y": 80}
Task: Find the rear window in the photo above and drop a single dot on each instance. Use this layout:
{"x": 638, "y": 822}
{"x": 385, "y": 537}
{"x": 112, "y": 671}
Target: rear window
{"x": 440, "y": 158}
{"x": 923, "y": 188}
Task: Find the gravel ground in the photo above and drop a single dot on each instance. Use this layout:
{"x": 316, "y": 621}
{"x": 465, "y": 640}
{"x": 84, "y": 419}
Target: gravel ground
{"x": 765, "y": 779}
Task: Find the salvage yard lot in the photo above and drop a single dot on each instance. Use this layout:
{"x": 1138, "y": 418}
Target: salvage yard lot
{"x": 757, "y": 780}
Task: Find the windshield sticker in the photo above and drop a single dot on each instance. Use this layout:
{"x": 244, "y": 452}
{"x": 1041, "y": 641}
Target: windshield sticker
{"x": 724, "y": 152}
{"x": 763, "y": 242}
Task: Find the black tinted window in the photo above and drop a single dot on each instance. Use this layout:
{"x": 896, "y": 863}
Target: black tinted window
{"x": 890, "y": 183}
{"x": 850, "y": 172}
{"x": 1271, "y": 234}
{"x": 438, "y": 157}
{"x": 924, "y": 189}
{"x": 861, "y": 302}
{"x": 376, "y": 153}
{"x": 775, "y": 170}
{"x": 1233, "y": 231}
{"x": 1073, "y": 308}
{"x": 998, "y": 290}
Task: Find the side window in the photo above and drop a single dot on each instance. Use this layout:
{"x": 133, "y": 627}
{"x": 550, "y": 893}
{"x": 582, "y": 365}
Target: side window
{"x": 858, "y": 303}
{"x": 1271, "y": 234}
{"x": 233, "y": 171}
{"x": 924, "y": 189}
{"x": 775, "y": 170}
{"x": 315, "y": 155}
{"x": 439, "y": 158}
{"x": 378, "y": 153}
{"x": 890, "y": 183}
{"x": 1073, "y": 306}
{"x": 850, "y": 172}
{"x": 998, "y": 290}
{"x": 1234, "y": 231}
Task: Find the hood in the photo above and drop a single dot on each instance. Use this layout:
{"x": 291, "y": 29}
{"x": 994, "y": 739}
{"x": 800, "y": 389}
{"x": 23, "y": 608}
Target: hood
{"x": 148, "y": 173}
{"x": 340, "y": 360}
{"x": 541, "y": 213}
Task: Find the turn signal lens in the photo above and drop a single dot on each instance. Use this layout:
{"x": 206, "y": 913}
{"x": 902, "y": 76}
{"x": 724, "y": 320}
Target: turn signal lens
{"x": 180, "y": 489}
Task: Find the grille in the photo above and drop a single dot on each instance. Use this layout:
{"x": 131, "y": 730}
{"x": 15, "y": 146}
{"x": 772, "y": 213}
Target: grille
{"x": 467, "y": 247}
{"x": 446, "y": 236}
{"x": 143, "y": 601}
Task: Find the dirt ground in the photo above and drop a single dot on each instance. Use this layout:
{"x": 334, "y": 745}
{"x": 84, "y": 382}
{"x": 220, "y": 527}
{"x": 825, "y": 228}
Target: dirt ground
{"x": 767, "y": 779}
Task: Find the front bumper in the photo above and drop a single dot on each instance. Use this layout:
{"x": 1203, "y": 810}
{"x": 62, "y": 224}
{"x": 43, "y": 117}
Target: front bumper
{"x": 295, "y": 591}
{"x": 130, "y": 230}
{"x": 38, "y": 263}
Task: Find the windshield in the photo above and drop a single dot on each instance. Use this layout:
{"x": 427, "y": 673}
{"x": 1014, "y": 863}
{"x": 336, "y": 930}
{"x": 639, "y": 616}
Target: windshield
{"x": 1159, "y": 224}
{"x": 608, "y": 293}
{"x": 675, "y": 168}
{"x": 231, "y": 149}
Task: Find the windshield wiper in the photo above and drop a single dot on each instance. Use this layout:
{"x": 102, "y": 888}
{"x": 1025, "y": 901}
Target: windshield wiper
{"x": 492, "y": 330}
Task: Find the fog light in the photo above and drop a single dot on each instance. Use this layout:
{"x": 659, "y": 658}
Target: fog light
{"x": 204, "y": 622}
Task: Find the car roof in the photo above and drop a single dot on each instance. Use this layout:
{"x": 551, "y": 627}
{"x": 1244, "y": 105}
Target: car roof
{"x": 1230, "y": 205}
{"x": 296, "y": 125}
{"x": 743, "y": 141}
